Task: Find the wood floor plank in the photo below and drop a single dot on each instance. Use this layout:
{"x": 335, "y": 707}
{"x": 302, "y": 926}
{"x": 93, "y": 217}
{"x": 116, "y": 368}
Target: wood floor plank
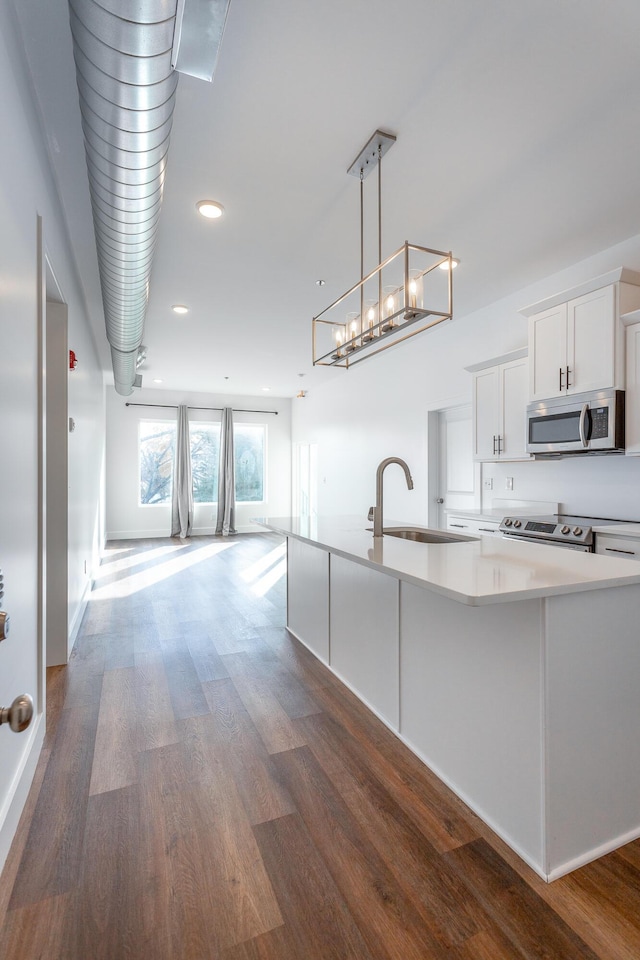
{"x": 114, "y": 758}
{"x": 261, "y": 662}
{"x": 271, "y": 720}
{"x": 437, "y": 891}
{"x": 225, "y": 894}
{"x": 185, "y": 689}
{"x": 233, "y": 736}
{"x": 155, "y": 720}
{"x": 388, "y": 920}
{"x": 523, "y": 918}
{"x": 37, "y": 931}
{"x": 206, "y": 659}
{"x": 105, "y": 922}
{"x": 318, "y": 923}
{"x": 53, "y": 854}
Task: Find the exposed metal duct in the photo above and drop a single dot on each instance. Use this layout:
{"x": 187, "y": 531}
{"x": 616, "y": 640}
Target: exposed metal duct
{"x": 127, "y": 94}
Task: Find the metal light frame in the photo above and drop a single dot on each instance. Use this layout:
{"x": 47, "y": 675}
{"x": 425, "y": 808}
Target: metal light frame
{"x": 391, "y": 329}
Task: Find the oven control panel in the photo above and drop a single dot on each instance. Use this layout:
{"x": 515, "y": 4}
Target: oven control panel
{"x": 564, "y": 530}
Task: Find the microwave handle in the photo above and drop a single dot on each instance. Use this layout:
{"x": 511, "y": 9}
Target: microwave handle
{"x": 583, "y": 417}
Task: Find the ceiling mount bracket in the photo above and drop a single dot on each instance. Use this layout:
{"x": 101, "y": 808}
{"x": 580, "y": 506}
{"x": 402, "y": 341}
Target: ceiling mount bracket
{"x": 373, "y": 151}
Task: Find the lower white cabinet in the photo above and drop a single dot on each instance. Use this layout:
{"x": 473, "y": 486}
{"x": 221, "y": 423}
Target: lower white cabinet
{"x": 308, "y": 596}
{"x": 624, "y": 548}
{"x": 365, "y": 635}
{"x": 473, "y": 526}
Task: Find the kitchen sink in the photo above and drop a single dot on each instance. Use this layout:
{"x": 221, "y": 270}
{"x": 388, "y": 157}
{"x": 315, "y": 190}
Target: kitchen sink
{"x": 424, "y": 535}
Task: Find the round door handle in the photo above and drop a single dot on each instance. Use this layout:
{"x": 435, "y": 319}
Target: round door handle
{"x": 439, "y": 499}
{"x": 19, "y": 714}
{"x": 5, "y": 621}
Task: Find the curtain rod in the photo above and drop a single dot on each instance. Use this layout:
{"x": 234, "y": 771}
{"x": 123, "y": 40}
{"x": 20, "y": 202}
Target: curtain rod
{"x": 174, "y": 406}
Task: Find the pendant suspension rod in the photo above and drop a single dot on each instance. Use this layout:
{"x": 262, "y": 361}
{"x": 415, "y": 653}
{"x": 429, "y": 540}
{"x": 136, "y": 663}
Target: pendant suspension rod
{"x": 362, "y": 249}
{"x": 380, "y": 230}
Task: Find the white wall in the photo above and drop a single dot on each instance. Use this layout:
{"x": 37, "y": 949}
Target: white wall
{"x": 26, "y": 191}
{"x": 379, "y": 409}
{"x": 127, "y": 519}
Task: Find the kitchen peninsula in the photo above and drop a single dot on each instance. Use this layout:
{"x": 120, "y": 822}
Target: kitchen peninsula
{"x": 511, "y": 669}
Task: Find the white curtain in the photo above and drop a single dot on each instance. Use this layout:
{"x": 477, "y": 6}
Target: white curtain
{"x": 225, "y": 523}
{"x": 182, "y": 500}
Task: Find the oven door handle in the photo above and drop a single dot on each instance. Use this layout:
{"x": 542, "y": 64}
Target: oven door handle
{"x": 583, "y": 418}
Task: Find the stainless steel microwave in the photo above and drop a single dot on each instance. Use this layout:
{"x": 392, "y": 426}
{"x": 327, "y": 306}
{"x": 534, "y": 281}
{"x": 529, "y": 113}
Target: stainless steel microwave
{"x": 582, "y": 423}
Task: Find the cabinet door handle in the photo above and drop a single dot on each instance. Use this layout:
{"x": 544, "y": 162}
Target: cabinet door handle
{"x": 462, "y": 526}
{"x": 568, "y": 372}
{"x": 630, "y": 553}
{"x": 499, "y": 445}
{"x": 561, "y": 385}
{"x": 494, "y": 446}
{"x": 487, "y": 530}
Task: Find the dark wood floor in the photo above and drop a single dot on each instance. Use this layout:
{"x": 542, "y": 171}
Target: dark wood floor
{"x": 208, "y": 790}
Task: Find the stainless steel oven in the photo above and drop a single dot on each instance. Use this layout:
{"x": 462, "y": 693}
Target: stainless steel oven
{"x": 557, "y": 530}
{"x": 581, "y": 424}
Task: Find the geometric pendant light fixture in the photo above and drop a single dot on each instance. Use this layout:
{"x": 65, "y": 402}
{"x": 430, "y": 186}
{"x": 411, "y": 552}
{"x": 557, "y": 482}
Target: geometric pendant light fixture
{"x": 408, "y": 292}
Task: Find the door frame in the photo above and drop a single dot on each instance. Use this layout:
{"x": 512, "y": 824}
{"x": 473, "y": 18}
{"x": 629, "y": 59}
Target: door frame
{"x": 434, "y": 409}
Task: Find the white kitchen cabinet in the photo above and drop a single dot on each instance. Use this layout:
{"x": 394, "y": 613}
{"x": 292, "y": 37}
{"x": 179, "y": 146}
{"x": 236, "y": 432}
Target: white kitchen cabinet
{"x": 308, "y": 596}
{"x": 576, "y": 339}
{"x": 576, "y": 346}
{"x": 499, "y": 396}
{"x": 632, "y": 398}
{"x": 473, "y": 525}
{"x": 623, "y": 548}
{"x": 365, "y": 635}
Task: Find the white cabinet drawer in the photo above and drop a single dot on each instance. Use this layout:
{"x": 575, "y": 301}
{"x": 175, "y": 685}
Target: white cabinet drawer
{"x": 486, "y": 528}
{"x": 621, "y": 547}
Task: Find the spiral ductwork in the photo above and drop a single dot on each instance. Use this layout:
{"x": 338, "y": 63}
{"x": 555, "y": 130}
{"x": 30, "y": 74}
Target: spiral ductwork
{"x": 127, "y": 89}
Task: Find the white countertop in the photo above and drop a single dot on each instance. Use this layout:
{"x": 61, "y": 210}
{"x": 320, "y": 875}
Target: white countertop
{"x": 486, "y": 570}
{"x": 619, "y": 530}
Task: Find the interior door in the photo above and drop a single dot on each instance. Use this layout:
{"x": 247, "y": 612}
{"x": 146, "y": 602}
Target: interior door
{"x": 457, "y": 473}
{"x": 21, "y": 506}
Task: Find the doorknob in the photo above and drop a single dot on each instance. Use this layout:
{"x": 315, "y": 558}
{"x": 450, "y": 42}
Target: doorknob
{"x": 19, "y": 714}
{"x": 439, "y": 499}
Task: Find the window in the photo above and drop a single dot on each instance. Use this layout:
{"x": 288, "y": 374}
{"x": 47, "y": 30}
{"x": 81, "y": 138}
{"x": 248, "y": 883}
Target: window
{"x": 249, "y": 461}
{"x": 205, "y": 458}
{"x": 157, "y": 443}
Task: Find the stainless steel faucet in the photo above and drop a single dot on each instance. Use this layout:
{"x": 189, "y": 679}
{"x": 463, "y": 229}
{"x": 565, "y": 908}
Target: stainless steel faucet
{"x": 377, "y": 510}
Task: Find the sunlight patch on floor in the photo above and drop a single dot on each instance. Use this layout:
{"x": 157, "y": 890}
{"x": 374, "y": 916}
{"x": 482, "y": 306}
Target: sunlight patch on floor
{"x": 265, "y": 572}
{"x": 110, "y": 567}
{"x": 148, "y": 578}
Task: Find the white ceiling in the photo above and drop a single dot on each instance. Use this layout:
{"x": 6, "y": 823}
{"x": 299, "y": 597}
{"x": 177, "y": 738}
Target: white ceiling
{"x": 518, "y": 127}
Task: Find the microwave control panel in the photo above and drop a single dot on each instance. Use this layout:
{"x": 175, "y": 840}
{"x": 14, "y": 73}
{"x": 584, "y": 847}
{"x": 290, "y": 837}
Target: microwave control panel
{"x": 599, "y": 422}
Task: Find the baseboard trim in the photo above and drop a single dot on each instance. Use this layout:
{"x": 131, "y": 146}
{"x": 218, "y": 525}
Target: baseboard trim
{"x": 163, "y": 534}
{"x": 16, "y": 798}
{"x": 74, "y": 628}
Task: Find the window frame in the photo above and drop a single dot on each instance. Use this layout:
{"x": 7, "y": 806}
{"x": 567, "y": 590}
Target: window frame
{"x": 158, "y": 422}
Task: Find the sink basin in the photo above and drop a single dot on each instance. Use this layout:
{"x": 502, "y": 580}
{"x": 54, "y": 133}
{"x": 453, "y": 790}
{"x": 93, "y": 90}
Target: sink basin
{"x": 424, "y": 535}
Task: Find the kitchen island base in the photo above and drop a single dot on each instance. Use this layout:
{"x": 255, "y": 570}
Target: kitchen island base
{"x": 528, "y": 710}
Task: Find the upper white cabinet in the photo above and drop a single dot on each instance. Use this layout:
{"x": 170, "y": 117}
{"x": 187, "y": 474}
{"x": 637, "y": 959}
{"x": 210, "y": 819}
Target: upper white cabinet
{"x": 576, "y": 340}
{"x": 499, "y": 394}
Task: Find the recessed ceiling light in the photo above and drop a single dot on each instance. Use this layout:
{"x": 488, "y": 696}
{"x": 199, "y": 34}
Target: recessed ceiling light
{"x": 266, "y": 388}
{"x": 210, "y": 209}
{"x": 158, "y": 381}
{"x": 445, "y": 264}
{"x": 320, "y": 283}
{"x": 180, "y": 308}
